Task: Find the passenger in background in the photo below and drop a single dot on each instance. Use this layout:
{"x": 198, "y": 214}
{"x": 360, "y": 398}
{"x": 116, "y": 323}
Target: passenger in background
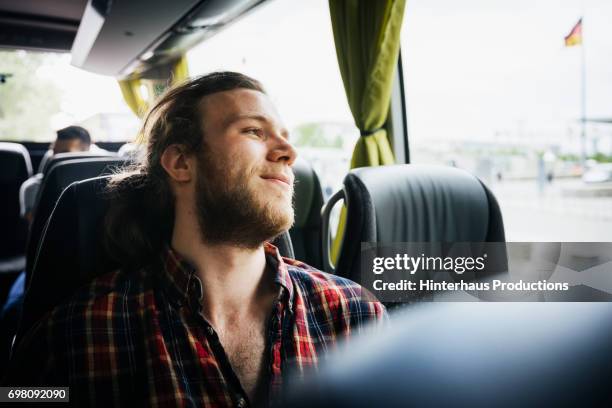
{"x": 69, "y": 140}
{"x": 204, "y": 311}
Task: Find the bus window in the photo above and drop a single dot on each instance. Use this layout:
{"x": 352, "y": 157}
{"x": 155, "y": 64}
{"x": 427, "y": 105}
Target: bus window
{"x": 492, "y": 88}
{"x": 289, "y": 47}
{"x": 44, "y": 93}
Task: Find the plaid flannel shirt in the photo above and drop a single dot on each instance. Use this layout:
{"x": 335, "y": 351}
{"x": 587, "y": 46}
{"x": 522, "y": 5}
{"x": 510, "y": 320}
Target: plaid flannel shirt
{"x": 140, "y": 339}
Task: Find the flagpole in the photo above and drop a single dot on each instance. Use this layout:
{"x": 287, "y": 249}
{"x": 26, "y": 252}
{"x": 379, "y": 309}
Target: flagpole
{"x": 583, "y": 156}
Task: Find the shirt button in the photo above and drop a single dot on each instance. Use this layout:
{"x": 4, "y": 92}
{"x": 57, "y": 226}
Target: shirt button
{"x": 210, "y": 331}
{"x": 242, "y": 403}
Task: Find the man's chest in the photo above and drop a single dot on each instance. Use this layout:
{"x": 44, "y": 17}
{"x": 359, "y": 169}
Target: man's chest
{"x": 246, "y": 348}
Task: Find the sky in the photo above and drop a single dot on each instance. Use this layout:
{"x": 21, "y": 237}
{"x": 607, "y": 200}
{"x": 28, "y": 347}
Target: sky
{"x": 475, "y": 69}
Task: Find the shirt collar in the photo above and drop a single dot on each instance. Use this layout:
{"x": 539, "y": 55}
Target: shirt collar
{"x": 178, "y": 276}
{"x": 282, "y": 277}
{"x": 181, "y": 281}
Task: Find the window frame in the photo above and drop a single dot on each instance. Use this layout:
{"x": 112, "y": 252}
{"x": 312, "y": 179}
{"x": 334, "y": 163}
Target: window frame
{"x": 397, "y": 123}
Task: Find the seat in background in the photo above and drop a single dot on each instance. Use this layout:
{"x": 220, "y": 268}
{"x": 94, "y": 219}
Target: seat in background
{"x": 15, "y": 168}
{"x": 411, "y": 203}
{"x": 308, "y": 200}
{"x": 29, "y": 193}
{"x": 43, "y": 161}
{"x": 61, "y": 174}
{"x": 50, "y": 161}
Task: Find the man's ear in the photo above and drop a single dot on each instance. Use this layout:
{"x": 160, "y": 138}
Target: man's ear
{"x": 177, "y": 164}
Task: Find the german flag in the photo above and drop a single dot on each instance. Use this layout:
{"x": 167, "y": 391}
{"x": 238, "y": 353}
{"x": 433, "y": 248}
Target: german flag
{"x": 575, "y": 36}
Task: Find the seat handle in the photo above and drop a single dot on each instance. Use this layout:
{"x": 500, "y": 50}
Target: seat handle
{"x": 325, "y": 235}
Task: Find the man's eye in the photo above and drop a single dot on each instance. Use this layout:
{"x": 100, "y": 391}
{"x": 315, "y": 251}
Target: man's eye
{"x": 254, "y": 131}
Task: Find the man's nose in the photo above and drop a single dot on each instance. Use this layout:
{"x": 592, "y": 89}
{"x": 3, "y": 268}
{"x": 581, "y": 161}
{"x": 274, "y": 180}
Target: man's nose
{"x": 281, "y": 150}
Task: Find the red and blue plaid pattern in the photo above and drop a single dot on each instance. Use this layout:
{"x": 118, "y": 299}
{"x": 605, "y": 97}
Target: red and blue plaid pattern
{"x": 138, "y": 338}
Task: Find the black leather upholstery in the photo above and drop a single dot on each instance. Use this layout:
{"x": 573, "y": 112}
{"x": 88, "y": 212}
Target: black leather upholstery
{"x": 308, "y": 200}
{"x": 15, "y": 168}
{"x": 473, "y": 355}
{"x": 415, "y": 203}
{"x": 70, "y": 253}
{"x": 43, "y": 161}
{"x": 50, "y": 161}
{"x": 60, "y": 175}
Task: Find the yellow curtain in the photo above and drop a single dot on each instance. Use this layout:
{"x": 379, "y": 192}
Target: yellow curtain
{"x": 180, "y": 70}
{"x": 131, "y": 87}
{"x": 367, "y": 39}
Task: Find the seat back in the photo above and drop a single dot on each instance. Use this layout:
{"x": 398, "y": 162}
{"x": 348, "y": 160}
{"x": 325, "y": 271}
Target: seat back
{"x": 15, "y": 168}
{"x": 471, "y": 355}
{"x": 308, "y": 200}
{"x": 413, "y": 203}
{"x": 71, "y": 254}
{"x": 43, "y": 161}
{"x": 49, "y": 161}
{"x": 60, "y": 175}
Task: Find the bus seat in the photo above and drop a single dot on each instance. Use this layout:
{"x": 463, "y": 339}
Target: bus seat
{"x": 411, "y": 203}
{"x": 60, "y": 175}
{"x": 308, "y": 199}
{"x": 70, "y": 253}
{"x": 43, "y": 162}
{"x": 15, "y": 168}
{"x": 48, "y": 162}
{"x": 471, "y": 355}
{"x": 30, "y": 189}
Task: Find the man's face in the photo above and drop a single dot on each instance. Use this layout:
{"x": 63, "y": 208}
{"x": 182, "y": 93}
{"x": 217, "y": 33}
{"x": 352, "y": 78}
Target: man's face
{"x": 69, "y": 146}
{"x": 244, "y": 186}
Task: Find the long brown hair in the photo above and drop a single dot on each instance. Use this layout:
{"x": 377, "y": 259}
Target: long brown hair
{"x": 140, "y": 218}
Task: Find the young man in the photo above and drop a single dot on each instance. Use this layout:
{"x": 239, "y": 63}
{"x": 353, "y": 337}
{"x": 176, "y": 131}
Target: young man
{"x": 205, "y": 312}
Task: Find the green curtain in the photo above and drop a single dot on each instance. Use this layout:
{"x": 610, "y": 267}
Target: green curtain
{"x": 367, "y": 39}
{"x": 177, "y": 72}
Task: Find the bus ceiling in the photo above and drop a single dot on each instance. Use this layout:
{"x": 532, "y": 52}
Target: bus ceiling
{"x": 116, "y": 37}
{"x": 121, "y": 38}
{"x": 40, "y": 25}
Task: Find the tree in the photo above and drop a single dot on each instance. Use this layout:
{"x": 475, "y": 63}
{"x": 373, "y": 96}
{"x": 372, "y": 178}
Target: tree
{"x": 317, "y": 135}
{"x": 27, "y": 101}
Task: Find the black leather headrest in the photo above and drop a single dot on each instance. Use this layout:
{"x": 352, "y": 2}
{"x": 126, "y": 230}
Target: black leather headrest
{"x": 308, "y": 200}
{"x": 60, "y": 175}
{"x": 60, "y": 157}
{"x": 15, "y": 168}
{"x": 43, "y": 161}
{"x": 71, "y": 253}
{"x": 307, "y": 193}
{"x": 415, "y": 203}
{"x": 15, "y": 162}
{"x": 472, "y": 354}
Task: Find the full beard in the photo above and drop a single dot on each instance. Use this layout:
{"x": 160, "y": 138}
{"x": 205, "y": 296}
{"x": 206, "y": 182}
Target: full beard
{"x": 230, "y": 213}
